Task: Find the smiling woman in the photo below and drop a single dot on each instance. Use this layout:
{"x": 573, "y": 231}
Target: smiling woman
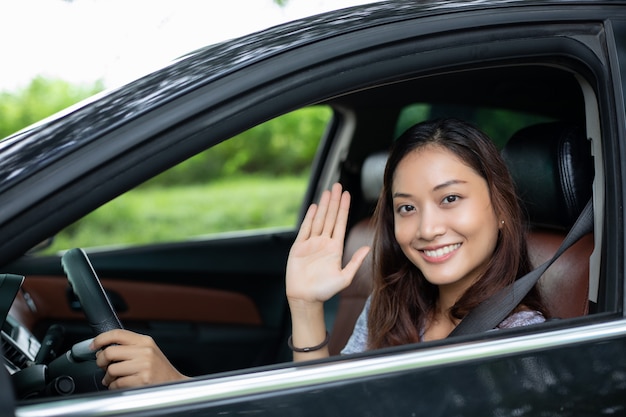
{"x": 450, "y": 234}
{"x": 443, "y": 210}
{"x": 220, "y": 308}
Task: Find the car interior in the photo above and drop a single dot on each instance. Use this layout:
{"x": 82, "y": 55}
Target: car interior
{"x": 549, "y": 156}
{"x": 560, "y": 155}
{"x": 539, "y": 121}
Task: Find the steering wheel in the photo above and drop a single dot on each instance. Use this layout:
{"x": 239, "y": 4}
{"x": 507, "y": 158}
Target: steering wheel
{"x": 76, "y": 371}
{"x": 86, "y": 285}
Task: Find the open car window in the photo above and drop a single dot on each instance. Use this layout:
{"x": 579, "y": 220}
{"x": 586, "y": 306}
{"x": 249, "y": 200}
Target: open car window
{"x": 498, "y": 123}
{"x": 256, "y": 180}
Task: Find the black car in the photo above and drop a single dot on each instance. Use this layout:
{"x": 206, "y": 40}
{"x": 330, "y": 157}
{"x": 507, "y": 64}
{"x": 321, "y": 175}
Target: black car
{"x": 545, "y": 79}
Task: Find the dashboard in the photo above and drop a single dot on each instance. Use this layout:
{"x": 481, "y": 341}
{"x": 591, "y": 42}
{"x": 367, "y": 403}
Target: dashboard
{"x": 36, "y": 368}
{"x": 19, "y": 346}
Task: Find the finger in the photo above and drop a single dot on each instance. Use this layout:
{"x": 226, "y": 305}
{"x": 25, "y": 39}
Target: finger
{"x": 122, "y": 369}
{"x": 117, "y": 336}
{"x": 305, "y": 227}
{"x": 119, "y": 375}
{"x": 333, "y": 207}
{"x": 109, "y": 355}
{"x": 356, "y": 261}
{"x": 101, "y": 361}
{"x": 341, "y": 223}
{"x": 123, "y": 361}
{"x": 126, "y": 382}
{"x": 109, "y": 380}
{"x": 320, "y": 214}
{"x": 115, "y": 353}
{"x": 145, "y": 350}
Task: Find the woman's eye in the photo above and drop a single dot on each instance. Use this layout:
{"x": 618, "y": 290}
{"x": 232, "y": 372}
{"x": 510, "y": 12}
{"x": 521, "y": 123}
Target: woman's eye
{"x": 405, "y": 208}
{"x": 450, "y": 199}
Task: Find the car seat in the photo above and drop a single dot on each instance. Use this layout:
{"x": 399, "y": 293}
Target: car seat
{"x": 552, "y": 168}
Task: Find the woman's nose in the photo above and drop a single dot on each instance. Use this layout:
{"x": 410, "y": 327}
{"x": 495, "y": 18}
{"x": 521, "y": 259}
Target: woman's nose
{"x": 431, "y": 225}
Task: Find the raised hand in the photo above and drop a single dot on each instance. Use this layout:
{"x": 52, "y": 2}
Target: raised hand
{"x": 132, "y": 360}
{"x": 314, "y": 268}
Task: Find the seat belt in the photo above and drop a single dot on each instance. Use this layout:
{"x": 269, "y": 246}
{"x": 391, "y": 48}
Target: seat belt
{"x": 491, "y": 312}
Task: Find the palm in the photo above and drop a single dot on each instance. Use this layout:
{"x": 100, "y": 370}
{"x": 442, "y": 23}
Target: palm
{"x": 314, "y": 268}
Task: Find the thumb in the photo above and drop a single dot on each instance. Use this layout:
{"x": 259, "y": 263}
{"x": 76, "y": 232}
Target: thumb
{"x": 356, "y": 261}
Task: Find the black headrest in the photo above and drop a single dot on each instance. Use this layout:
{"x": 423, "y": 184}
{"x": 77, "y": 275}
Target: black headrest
{"x": 552, "y": 168}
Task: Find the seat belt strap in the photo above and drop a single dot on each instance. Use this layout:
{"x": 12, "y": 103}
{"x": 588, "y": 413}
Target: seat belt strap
{"x": 491, "y": 312}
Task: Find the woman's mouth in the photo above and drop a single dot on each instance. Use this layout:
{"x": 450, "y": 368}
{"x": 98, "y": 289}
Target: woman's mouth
{"x": 441, "y": 252}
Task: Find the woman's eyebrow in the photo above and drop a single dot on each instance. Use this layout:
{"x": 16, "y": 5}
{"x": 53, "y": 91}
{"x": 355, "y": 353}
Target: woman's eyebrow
{"x": 448, "y": 183}
{"x": 436, "y": 188}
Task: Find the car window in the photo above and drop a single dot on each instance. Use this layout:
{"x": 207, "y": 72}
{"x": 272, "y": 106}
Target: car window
{"x": 255, "y": 180}
{"x": 499, "y": 124}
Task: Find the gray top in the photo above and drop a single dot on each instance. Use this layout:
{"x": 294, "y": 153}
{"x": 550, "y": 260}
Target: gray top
{"x": 358, "y": 341}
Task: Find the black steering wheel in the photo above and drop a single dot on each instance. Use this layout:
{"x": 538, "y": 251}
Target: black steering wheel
{"x": 76, "y": 371}
{"x": 86, "y": 285}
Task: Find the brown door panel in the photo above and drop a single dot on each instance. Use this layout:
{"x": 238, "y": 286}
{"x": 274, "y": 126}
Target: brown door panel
{"x": 144, "y": 301}
{"x": 201, "y": 330}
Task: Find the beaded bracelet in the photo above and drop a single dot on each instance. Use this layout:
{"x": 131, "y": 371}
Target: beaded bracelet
{"x": 308, "y": 349}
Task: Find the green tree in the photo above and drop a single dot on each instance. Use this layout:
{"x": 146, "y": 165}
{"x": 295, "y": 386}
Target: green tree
{"x": 284, "y": 145}
{"x": 38, "y": 100}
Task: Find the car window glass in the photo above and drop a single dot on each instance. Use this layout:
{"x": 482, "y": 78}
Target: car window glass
{"x": 499, "y": 124}
{"x": 254, "y": 180}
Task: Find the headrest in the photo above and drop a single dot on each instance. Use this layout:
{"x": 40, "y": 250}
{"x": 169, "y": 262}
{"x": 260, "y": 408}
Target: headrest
{"x": 372, "y": 174}
{"x": 552, "y": 168}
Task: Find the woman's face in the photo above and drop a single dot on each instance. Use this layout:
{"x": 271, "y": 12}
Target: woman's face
{"x": 443, "y": 217}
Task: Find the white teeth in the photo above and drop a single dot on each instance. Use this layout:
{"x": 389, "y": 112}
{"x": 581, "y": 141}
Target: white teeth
{"x": 442, "y": 251}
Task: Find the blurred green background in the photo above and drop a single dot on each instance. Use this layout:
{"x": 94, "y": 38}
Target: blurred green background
{"x": 253, "y": 181}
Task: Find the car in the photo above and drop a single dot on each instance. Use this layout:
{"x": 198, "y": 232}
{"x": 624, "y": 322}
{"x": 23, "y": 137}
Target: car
{"x": 545, "y": 79}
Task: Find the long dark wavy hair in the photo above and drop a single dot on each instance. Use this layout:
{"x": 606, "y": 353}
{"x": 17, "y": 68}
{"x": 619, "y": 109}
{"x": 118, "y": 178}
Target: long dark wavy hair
{"x": 403, "y": 301}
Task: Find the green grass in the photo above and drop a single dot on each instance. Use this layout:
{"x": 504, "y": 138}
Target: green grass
{"x": 150, "y": 215}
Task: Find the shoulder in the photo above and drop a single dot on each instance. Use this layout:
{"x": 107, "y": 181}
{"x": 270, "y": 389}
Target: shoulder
{"x": 522, "y": 318}
{"x": 358, "y": 340}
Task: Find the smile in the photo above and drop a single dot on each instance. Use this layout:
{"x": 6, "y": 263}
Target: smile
{"x": 437, "y": 253}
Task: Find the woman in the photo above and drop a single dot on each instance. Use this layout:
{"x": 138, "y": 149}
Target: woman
{"x": 449, "y": 234}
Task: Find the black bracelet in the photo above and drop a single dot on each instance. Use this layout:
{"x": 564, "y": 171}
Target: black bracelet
{"x": 308, "y": 349}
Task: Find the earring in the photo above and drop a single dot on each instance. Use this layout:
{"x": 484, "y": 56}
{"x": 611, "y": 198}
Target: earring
{"x": 502, "y": 222}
